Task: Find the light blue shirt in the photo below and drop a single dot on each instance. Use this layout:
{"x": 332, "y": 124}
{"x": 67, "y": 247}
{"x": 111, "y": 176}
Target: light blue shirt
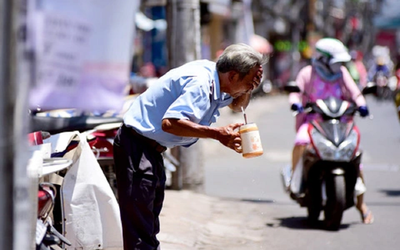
{"x": 190, "y": 92}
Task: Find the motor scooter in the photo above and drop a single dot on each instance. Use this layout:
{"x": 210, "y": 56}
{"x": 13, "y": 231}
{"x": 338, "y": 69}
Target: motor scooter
{"x": 49, "y": 224}
{"x": 47, "y": 236}
{"x": 326, "y": 175}
{"x": 101, "y": 139}
{"x": 383, "y": 90}
{"x": 100, "y": 131}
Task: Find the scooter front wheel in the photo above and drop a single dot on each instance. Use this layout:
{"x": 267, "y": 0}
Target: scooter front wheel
{"x": 314, "y": 204}
{"x": 336, "y": 202}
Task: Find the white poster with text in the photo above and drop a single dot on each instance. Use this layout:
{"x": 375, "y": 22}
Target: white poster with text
{"x": 82, "y": 53}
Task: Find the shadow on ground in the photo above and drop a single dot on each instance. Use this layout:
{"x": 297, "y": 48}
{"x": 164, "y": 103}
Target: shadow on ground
{"x": 390, "y": 192}
{"x": 301, "y": 223}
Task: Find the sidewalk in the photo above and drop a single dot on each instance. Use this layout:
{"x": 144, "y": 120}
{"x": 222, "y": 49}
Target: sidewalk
{"x": 191, "y": 221}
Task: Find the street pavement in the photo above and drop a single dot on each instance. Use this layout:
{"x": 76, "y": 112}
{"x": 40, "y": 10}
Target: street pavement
{"x": 193, "y": 220}
{"x": 244, "y": 206}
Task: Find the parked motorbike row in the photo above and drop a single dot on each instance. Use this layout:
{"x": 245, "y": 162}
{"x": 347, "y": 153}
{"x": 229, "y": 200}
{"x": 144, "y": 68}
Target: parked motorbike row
{"x": 47, "y": 236}
{"x": 49, "y": 226}
{"x": 99, "y": 132}
{"x": 326, "y": 176}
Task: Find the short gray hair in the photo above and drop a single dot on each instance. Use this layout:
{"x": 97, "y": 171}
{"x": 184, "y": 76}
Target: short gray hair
{"x": 239, "y": 57}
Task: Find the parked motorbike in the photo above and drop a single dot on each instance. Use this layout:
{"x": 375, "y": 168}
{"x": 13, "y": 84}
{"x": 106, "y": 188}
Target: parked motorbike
{"x": 49, "y": 224}
{"x": 98, "y": 139}
{"x": 100, "y": 132}
{"x": 325, "y": 178}
{"x": 101, "y": 139}
{"x": 47, "y": 237}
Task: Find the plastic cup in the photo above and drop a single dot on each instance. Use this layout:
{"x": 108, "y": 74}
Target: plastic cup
{"x": 251, "y": 142}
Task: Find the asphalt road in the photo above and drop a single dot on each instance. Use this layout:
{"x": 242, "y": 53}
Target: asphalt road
{"x": 256, "y": 182}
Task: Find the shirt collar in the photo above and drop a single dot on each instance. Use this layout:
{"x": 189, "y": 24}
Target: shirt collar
{"x": 216, "y": 89}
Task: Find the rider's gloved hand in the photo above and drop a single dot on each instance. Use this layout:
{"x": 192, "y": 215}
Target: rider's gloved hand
{"x": 297, "y": 107}
{"x": 363, "y": 111}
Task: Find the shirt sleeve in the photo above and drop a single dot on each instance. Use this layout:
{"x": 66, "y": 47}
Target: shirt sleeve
{"x": 301, "y": 81}
{"x": 353, "y": 89}
{"x": 193, "y": 101}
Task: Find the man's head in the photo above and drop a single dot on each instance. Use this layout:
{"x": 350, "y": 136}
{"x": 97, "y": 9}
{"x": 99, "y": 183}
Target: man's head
{"x": 239, "y": 67}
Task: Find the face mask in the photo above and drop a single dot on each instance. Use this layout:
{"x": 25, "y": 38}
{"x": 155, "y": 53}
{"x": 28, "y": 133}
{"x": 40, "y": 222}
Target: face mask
{"x": 335, "y": 67}
{"x": 324, "y": 72}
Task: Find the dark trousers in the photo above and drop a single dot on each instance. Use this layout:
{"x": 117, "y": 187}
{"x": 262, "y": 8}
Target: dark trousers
{"x": 141, "y": 184}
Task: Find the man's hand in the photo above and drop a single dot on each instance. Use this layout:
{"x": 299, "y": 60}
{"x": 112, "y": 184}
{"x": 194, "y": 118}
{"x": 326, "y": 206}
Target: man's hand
{"x": 243, "y": 100}
{"x": 230, "y": 137}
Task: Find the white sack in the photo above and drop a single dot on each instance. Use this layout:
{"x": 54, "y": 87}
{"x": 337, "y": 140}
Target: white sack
{"x": 91, "y": 209}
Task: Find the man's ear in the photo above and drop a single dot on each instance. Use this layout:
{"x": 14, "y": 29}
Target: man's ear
{"x": 231, "y": 75}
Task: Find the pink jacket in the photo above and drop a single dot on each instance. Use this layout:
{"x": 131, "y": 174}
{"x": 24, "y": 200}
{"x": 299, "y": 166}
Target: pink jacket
{"x": 313, "y": 87}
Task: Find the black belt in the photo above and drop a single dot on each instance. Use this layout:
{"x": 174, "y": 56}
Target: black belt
{"x": 152, "y": 143}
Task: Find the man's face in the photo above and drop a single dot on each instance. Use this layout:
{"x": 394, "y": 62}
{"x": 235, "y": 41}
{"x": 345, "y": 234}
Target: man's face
{"x": 247, "y": 84}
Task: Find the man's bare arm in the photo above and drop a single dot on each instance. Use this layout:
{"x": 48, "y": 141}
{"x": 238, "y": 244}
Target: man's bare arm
{"x": 228, "y": 135}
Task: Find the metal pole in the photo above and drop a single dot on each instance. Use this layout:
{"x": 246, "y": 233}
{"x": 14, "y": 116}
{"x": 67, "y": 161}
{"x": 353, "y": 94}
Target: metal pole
{"x": 25, "y": 172}
{"x": 183, "y": 18}
{"x": 6, "y": 126}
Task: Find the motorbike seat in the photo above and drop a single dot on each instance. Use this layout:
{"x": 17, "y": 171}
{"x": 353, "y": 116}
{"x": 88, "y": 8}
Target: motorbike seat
{"x": 55, "y": 125}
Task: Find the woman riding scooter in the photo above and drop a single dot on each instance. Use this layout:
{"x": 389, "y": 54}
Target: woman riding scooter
{"x": 327, "y": 77}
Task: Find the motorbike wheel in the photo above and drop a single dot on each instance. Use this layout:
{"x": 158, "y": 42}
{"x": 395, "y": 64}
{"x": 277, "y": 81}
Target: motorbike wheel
{"x": 313, "y": 214}
{"x": 335, "y": 205}
{"x": 314, "y": 202}
{"x": 384, "y": 93}
{"x": 388, "y": 94}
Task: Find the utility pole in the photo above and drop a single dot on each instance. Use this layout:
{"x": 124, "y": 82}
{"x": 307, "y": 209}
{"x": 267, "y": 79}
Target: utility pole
{"x": 311, "y": 15}
{"x": 7, "y": 93}
{"x": 16, "y": 211}
{"x": 183, "y": 42}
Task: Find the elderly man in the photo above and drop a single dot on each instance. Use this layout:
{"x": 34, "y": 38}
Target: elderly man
{"x": 176, "y": 111}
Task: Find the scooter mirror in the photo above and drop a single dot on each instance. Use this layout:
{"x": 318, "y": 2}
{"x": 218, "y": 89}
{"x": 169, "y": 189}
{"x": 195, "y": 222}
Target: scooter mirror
{"x": 369, "y": 89}
{"x": 291, "y": 87}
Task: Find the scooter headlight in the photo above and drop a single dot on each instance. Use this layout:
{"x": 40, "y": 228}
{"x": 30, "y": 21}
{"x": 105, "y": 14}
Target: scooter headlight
{"x": 347, "y": 147}
{"x": 328, "y": 151}
{"x": 325, "y": 148}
